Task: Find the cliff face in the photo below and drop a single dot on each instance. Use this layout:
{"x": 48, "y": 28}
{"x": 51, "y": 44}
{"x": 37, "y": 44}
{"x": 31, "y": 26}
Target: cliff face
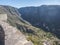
{"x": 44, "y": 13}
{"x": 46, "y": 17}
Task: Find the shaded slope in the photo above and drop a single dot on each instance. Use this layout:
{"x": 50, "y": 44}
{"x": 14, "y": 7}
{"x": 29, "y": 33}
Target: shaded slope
{"x": 37, "y": 35}
{"x": 2, "y": 36}
{"x": 46, "y": 17}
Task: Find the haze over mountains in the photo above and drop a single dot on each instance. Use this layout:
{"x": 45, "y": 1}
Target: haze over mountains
{"x": 46, "y": 17}
{"x": 36, "y": 24}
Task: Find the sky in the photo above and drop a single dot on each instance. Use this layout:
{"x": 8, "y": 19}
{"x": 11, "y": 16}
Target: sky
{"x": 24, "y": 3}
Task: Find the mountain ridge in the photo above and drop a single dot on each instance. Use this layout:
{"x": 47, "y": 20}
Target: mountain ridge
{"x": 36, "y": 36}
{"x": 13, "y": 36}
{"x": 46, "y": 17}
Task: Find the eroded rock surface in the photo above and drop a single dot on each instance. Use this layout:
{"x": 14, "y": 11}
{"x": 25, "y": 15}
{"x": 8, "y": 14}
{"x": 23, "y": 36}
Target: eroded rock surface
{"x": 12, "y": 35}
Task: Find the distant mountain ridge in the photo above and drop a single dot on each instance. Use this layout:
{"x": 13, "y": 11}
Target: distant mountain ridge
{"x": 46, "y": 17}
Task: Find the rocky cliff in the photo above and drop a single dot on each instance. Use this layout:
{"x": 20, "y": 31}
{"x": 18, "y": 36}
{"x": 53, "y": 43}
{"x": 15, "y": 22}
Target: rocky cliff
{"x": 11, "y": 35}
{"x": 46, "y": 17}
{"x": 17, "y": 31}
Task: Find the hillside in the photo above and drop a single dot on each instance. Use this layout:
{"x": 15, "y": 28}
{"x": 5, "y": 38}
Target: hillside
{"x": 21, "y": 32}
{"x": 46, "y": 17}
{"x": 12, "y": 35}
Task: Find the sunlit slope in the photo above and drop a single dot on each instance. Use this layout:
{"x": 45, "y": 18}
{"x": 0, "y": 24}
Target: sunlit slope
{"x": 37, "y": 35}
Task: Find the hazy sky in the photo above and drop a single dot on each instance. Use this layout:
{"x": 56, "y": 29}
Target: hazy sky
{"x": 24, "y": 3}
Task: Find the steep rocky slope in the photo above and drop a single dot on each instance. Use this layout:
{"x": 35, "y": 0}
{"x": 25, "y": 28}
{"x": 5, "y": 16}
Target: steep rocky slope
{"x": 8, "y": 17}
{"x": 46, "y": 17}
{"x": 16, "y": 28}
{"x": 13, "y": 36}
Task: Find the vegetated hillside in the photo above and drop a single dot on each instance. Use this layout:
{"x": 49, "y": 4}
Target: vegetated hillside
{"x": 34, "y": 34}
{"x": 46, "y": 17}
{"x": 11, "y": 35}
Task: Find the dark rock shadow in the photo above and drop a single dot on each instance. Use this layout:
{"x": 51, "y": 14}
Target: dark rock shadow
{"x": 25, "y": 29}
{"x": 2, "y": 36}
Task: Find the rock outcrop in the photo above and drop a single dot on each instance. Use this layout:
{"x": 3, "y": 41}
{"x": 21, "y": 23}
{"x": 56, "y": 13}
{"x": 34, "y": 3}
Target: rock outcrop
{"x": 12, "y": 35}
{"x": 17, "y": 31}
